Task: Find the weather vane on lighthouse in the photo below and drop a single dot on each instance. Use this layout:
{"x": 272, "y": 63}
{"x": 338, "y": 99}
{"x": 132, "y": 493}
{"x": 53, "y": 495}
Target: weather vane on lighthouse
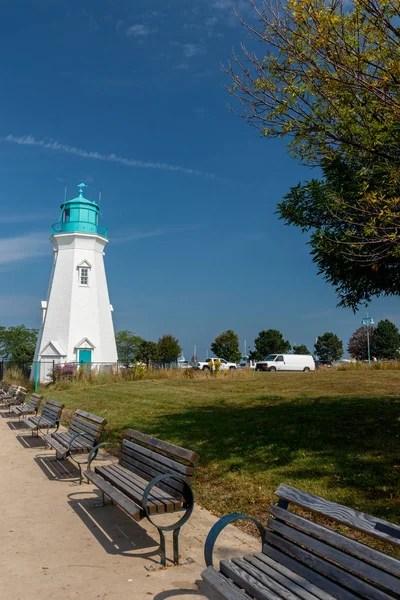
{"x": 81, "y": 187}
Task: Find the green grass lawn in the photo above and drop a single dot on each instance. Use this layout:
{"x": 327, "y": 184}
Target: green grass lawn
{"x": 332, "y": 433}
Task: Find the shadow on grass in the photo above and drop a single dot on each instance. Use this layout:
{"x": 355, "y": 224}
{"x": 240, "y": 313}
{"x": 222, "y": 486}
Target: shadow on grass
{"x": 351, "y": 442}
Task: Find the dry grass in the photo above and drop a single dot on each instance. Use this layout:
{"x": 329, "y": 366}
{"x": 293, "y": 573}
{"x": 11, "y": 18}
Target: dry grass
{"x": 88, "y": 377}
{"x": 14, "y": 375}
{"x": 380, "y": 365}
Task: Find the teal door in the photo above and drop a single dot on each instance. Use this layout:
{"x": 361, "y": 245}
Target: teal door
{"x": 85, "y": 356}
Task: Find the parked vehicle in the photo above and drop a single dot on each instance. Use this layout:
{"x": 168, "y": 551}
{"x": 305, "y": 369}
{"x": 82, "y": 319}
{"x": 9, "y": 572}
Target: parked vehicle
{"x": 209, "y": 364}
{"x": 247, "y": 363}
{"x": 323, "y": 364}
{"x": 287, "y": 362}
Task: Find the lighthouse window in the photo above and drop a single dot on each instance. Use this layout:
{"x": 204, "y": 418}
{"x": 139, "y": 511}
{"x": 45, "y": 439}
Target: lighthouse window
{"x": 67, "y": 215}
{"x": 84, "y": 276}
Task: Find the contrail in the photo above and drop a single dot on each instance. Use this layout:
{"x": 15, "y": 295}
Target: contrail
{"x": 30, "y": 140}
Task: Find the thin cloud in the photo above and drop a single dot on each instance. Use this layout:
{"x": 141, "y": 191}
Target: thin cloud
{"x": 24, "y": 247}
{"x": 140, "y": 30}
{"x": 190, "y": 50}
{"x": 30, "y": 140}
{"x": 133, "y": 236}
{"x": 23, "y": 218}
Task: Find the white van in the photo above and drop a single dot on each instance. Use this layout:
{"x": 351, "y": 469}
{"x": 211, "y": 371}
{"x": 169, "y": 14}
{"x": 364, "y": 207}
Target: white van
{"x": 287, "y": 362}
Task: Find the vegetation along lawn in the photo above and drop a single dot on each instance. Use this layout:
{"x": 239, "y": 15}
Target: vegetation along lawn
{"x": 331, "y": 433}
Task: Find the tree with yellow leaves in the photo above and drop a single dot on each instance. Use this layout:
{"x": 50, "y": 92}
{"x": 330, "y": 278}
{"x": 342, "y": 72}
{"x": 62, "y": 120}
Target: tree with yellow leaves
{"x": 329, "y": 82}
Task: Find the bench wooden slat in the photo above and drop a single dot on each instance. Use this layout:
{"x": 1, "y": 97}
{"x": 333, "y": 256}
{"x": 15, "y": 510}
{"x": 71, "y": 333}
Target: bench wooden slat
{"x": 303, "y": 570}
{"x": 49, "y": 439}
{"x": 144, "y": 462}
{"x": 264, "y": 561}
{"x": 65, "y": 438}
{"x": 171, "y": 486}
{"x": 249, "y": 583}
{"x": 123, "y": 486}
{"x": 156, "y": 493}
{"x": 91, "y": 417}
{"x": 87, "y": 425}
{"x": 222, "y": 585}
{"x": 159, "y": 458}
{"x": 131, "y": 508}
{"x": 167, "y": 447}
{"x": 342, "y": 514}
{"x": 286, "y": 582}
{"x": 60, "y": 443}
{"x": 33, "y": 422}
{"x": 330, "y": 570}
{"x": 346, "y": 561}
{"x": 137, "y": 486}
{"x": 54, "y": 404}
{"x": 370, "y": 555}
{"x": 284, "y": 588}
{"x": 74, "y": 429}
{"x": 134, "y": 490}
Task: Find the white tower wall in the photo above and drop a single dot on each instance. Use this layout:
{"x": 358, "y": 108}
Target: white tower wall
{"x": 77, "y": 316}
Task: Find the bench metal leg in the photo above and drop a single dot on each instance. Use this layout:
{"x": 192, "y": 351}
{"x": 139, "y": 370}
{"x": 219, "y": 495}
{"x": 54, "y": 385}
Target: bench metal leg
{"x": 80, "y": 473}
{"x": 103, "y": 502}
{"x": 176, "y": 545}
{"x": 163, "y": 555}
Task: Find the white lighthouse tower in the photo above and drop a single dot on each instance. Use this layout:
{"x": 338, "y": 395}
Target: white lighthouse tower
{"x": 77, "y": 324}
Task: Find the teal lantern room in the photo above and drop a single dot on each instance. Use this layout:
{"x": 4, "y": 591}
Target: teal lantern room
{"x": 80, "y": 215}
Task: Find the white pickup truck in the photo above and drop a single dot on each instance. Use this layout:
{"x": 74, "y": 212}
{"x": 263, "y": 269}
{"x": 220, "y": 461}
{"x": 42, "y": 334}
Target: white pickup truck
{"x": 208, "y": 364}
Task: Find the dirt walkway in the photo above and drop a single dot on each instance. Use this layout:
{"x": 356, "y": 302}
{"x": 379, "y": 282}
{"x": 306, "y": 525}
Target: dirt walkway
{"x": 54, "y": 544}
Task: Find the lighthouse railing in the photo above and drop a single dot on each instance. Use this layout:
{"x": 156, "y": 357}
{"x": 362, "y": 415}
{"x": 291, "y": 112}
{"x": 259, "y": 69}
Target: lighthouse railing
{"x": 79, "y": 227}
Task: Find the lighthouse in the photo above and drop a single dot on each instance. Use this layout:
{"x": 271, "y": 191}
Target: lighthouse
{"x": 77, "y": 325}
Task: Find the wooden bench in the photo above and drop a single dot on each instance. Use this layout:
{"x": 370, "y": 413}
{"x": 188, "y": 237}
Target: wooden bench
{"x": 6, "y": 389}
{"x": 9, "y": 393}
{"x": 28, "y": 408}
{"x": 49, "y": 417}
{"x": 83, "y": 434}
{"x": 152, "y": 477}
{"x": 16, "y": 399}
{"x": 301, "y": 559}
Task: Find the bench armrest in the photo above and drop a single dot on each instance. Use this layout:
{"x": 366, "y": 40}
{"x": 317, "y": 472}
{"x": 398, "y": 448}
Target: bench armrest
{"x": 187, "y": 495}
{"x": 219, "y": 526}
{"x": 94, "y": 451}
{"x": 70, "y": 448}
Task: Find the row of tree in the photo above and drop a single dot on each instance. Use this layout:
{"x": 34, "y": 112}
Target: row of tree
{"x": 384, "y": 343}
{"x": 18, "y": 344}
{"x": 271, "y": 341}
{"x": 132, "y": 348}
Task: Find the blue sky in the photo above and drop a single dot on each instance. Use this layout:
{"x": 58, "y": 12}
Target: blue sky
{"x": 129, "y": 96}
